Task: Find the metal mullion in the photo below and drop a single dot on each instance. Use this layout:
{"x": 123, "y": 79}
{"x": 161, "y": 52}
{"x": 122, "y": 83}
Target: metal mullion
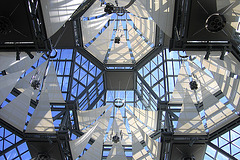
{"x": 19, "y": 155}
{"x": 165, "y": 71}
{"x": 81, "y": 67}
{"x": 11, "y": 147}
{"x": 221, "y": 151}
{"x": 148, "y": 87}
{"x": 158, "y": 82}
{"x": 78, "y": 82}
{"x": 162, "y": 63}
{"x": 89, "y": 86}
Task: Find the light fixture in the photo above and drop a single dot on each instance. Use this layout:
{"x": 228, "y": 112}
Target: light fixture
{"x": 118, "y": 102}
{"x": 109, "y": 8}
{"x": 117, "y": 40}
{"x": 29, "y": 54}
{"x": 207, "y": 55}
{"x": 17, "y": 55}
{"x": 35, "y": 81}
{"x": 193, "y": 85}
{"x": 115, "y": 138}
{"x": 215, "y": 23}
{"x": 223, "y": 54}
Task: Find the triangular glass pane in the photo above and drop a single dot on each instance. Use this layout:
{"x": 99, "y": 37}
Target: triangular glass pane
{"x": 237, "y": 129}
{"x": 153, "y": 65}
{"x": 74, "y": 91}
{"x": 141, "y": 72}
{"x": 145, "y": 71}
{"x": 234, "y": 149}
{"x": 84, "y": 81}
{"x": 7, "y": 132}
{"x": 80, "y": 89}
{"x": 226, "y": 148}
{"x": 85, "y": 65}
{"x": 98, "y": 71}
{"x": 76, "y": 74}
{"x": 93, "y": 71}
{"x": 84, "y": 60}
{"x": 78, "y": 59}
{"x": 222, "y": 142}
{"x": 76, "y": 67}
{"x": 220, "y": 156}
{"x": 155, "y": 73}
{"x": 237, "y": 156}
{"x": 155, "y": 60}
{"x": 234, "y": 135}
{"x": 156, "y": 89}
{"x": 160, "y": 72}
{"x": 1, "y": 131}
{"x": 153, "y": 79}
{"x": 6, "y": 144}
{"x": 148, "y": 66}
{"x": 11, "y": 138}
{"x": 74, "y": 83}
{"x": 214, "y": 142}
{"x": 82, "y": 74}
{"x": 147, "y": 79}
{"x": 91, "y": 66}
{"x": 18, "y": 139}
{"x": 226, "y": 136}
{"x": 90, "y": 79}
{"x": 237, "y": 142}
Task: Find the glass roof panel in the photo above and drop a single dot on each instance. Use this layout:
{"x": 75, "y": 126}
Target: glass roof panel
{"x": 119, "y": 37}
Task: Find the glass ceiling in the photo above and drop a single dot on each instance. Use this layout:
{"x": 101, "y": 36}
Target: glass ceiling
{"x": 117, "y": 38}
{"x": 155, "y": 82}
{"x": 125, "y": 38}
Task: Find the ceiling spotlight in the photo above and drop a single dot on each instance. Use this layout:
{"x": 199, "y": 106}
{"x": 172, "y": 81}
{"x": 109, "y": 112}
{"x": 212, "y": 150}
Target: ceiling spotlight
{"x": 29, "y": 54}
{"x": 215, "y": 23}
{"x": 117, "y": 40}
{"x": 109, "y": 8}
{"x": 207, "y": 55}
{"x": 118, "y": 102}
{"x": 115, "y": 139}
{"x": 17, "y": 55}
{"x": 223, "y": 53}
{"x": 193, "y": 85}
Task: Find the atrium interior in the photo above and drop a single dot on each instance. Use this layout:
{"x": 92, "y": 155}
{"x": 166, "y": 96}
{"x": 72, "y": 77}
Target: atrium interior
{"x": 120, "y": 79}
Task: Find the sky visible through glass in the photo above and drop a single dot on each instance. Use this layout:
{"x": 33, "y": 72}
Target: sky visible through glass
{"x": 85, "y": 72}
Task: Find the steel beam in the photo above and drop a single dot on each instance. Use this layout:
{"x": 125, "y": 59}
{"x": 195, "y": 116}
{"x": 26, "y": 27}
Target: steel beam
{"x": 153, "y": 53}
{"x": 225, "y": 129}
{"x": 96, "y": 100}
{"x": 148, "y": 87}
{"x": 71, "y": 73}
{"x": 221, "y": 151}
{"x": 140, "y": 97}
{"x": 12, "y": 147}
{"x": 89, "y": 86}
{"x": 91, "y": 58}
{"x": 82, "y": 9}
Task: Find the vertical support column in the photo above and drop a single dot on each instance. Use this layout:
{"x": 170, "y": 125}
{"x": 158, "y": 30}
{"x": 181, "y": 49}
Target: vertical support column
{"x": 68, "y": 98}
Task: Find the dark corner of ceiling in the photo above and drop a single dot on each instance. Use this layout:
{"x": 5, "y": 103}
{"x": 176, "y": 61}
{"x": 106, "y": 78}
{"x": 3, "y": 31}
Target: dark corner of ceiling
{"x": 64, "y": 37}
{"x": 193, "y": 27}
{"x": 18, "y": 27}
